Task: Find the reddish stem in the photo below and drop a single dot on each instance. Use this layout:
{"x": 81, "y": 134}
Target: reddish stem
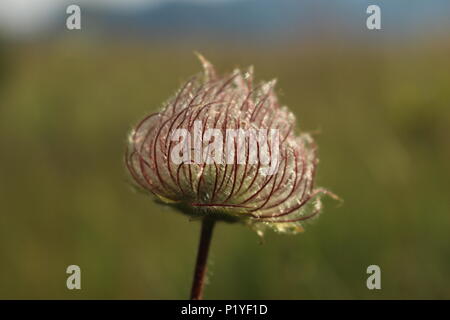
{"x": 202, "y": 258}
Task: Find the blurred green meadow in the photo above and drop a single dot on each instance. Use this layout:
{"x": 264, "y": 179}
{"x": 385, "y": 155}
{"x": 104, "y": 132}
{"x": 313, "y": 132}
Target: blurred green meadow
{"x": 381, "y": 117}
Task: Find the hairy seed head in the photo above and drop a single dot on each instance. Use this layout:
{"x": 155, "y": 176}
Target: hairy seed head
{"x": 227, "y": 178}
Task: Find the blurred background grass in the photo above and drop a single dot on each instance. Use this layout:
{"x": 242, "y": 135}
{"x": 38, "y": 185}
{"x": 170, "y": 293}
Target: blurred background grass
{"x": 383, "y": 118}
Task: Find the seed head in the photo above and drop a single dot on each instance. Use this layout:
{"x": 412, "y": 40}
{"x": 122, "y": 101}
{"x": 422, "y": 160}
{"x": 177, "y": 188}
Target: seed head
{"x": 224, "y": 147}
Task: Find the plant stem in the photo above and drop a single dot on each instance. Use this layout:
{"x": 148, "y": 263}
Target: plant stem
{"x": 202, "y": 257}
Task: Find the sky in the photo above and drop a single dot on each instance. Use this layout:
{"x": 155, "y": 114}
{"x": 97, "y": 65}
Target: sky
{"x": 31, "y": 18}
{"x": 25, "y": 17}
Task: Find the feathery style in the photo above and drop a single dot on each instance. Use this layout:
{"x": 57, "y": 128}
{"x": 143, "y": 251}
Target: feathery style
{"x": 236, "y": 190}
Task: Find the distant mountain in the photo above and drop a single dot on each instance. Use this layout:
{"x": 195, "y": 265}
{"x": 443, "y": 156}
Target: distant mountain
{"x": 234, "y": 19}
{"x": 266, "y": 20}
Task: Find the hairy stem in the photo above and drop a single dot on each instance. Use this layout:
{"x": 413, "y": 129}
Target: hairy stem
{"x": 202, "y": 258}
